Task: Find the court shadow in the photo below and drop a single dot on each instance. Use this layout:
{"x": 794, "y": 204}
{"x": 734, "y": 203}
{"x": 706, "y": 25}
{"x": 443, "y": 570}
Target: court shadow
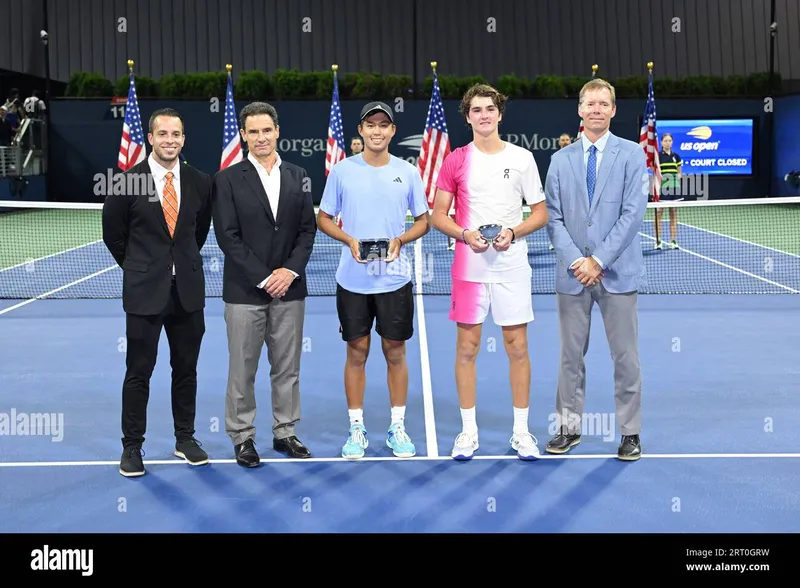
{"x": 448, "y": 496}
{"x": 560, "y": 514}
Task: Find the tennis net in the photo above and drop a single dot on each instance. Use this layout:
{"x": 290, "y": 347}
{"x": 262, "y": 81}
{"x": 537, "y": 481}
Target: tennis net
{"x": 55, "y": 250}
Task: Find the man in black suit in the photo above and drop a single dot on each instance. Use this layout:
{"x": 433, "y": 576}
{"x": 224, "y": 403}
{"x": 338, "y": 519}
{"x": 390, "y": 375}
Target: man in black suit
{"x": 265, "y": 225}
{"x": 155, "y": 232}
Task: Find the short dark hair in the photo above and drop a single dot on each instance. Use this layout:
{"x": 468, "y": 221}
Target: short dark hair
{"x": 255, "y": 109}
{"x": 163, "y": 112}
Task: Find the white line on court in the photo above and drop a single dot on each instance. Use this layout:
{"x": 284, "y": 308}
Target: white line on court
{"x": 176, "y": 461}
{"x": 740, "y": 240}
{"x": 427, "y": 387}
{"x": 10, "y": 308}
{"x": 5, "y": 269}
{"x": 725, "y": 265}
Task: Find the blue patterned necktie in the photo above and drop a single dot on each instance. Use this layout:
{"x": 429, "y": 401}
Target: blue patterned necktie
{"x": 591, "y": 172}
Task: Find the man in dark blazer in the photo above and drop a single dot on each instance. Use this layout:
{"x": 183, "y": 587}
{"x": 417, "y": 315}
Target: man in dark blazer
{"x": 265, "y": 225}
{"x": 155, "y": 232}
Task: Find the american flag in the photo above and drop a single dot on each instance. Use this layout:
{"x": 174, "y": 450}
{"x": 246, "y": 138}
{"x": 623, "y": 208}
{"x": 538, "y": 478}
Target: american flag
{"x": 231, "y": 143}
{"x": 334, "y": 152}
{"x": 131, "y": 147}
{"x": 648, "y": 139}
{"x": 435, "y": 143}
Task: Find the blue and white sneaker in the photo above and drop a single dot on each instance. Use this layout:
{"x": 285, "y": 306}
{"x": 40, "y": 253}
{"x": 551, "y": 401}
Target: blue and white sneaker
{"x": 399, "y": 442}
{"x": 525, "y": 445}
{"x": 465, "y": 446}
{"x": 357, "y": 442}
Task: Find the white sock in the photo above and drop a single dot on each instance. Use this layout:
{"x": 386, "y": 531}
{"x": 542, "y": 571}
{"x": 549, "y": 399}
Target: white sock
{"x": 468, "y": 422}
{"x": 398, "y": 415}
{"x": 520, "y": 420}
{"x": 356, "y": 416}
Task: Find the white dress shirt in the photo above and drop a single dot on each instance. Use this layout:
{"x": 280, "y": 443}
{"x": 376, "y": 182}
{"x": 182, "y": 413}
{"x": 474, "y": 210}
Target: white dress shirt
{"x": 271, "y": 180}
{"x": 601, "y": 146}
{"x": 160, "y": 178}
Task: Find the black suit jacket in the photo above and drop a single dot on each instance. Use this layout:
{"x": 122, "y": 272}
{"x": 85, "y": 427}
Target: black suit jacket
{"x": 136, "y": 234}
{"x": 253, "y": 242}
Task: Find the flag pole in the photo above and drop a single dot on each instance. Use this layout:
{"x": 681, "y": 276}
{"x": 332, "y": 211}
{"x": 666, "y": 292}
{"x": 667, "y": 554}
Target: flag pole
{"x": 595, "y": 67}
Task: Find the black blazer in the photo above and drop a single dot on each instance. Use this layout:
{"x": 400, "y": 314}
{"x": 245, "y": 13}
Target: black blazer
{"x": 253, "y": 242}
{"x": 136, "y": 234}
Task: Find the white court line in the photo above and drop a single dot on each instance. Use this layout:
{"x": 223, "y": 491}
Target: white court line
{"x": 10, "y": 308}
{"x": 176, "y": 461}
{"x": 5, "y": 269}
{"x": 740, "y": 240}
{"x": 427, "y": 387}
{"x": 725, "y": 265}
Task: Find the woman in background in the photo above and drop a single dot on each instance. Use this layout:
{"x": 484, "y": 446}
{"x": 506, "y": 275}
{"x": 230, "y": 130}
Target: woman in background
{"x": 670, "y": 163}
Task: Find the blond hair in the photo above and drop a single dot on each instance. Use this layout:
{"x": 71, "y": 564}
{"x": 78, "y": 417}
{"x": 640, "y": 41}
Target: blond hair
{"x": 598, "y": 84}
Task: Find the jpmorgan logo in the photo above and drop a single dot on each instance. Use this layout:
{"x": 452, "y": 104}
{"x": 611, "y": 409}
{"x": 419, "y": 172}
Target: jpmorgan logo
{"x": 305, "y": 147}
{"x": 531, "y": 142}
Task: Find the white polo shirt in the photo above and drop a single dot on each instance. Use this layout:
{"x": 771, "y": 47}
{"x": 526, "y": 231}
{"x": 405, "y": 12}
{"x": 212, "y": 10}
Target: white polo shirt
{"x": 490, "y": 189}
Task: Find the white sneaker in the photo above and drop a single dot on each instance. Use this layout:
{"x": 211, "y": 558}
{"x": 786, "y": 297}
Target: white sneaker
{"x": 465, "y": 446}
{"x": 525, "y": 445}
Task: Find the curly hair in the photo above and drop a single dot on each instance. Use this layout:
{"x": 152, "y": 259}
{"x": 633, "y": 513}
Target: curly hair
{"x": 482, "y": 91}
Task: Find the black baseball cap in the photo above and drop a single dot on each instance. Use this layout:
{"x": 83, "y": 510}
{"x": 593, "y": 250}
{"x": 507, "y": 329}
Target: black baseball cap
{"x": 377, "y": 107}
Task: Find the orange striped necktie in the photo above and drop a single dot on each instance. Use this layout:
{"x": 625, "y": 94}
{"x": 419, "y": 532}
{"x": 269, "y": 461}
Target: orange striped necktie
{"x": 170, "y": 204}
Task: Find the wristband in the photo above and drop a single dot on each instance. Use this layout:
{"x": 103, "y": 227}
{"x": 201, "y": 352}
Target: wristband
{"x": 463, "y": 236}
{"x": 513, "y": 236}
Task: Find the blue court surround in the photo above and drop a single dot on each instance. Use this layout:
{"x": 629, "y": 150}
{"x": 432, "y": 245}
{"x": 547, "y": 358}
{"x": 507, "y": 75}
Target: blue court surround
{"x": 721, "y": 435}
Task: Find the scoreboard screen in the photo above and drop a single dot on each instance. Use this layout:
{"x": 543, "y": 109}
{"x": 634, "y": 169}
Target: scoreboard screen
{"x": 714, "y": 146}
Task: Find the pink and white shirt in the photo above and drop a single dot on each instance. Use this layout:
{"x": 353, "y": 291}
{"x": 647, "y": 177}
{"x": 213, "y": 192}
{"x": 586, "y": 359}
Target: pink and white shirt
{"x": 491, "y": 189}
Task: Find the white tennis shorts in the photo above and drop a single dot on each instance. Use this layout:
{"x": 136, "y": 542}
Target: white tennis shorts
{"x": 510, "y": 303}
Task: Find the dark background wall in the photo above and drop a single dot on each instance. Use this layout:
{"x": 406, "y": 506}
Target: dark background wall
{"x": 466, "y": 37}
{"x": 86, "y": 136}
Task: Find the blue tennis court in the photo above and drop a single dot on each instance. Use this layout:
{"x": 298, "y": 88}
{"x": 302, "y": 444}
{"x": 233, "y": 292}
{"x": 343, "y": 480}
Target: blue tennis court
{"x": 721, "y": 434}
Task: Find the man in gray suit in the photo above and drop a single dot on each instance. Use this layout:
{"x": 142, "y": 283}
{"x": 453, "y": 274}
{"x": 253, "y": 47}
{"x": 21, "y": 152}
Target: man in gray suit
{"x": 265, "y": 226}
{"x": 596, "y": 193}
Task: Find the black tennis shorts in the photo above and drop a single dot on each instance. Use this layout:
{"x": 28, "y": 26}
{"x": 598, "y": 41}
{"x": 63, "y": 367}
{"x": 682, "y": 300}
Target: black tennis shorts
{"x": 392, "y": 313}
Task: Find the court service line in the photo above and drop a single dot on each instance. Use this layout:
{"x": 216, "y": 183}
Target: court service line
{"x": 5, "y": 269}
{"x": 740, "y": 240}
{"x": 425, "y": 360}
{"x": 725, "y": 265}
{"x": 511, "y": 457}
{"x": 10, "y": 308}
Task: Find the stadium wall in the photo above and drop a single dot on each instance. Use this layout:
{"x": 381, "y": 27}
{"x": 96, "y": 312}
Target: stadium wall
{"x": 466, "y": 37}
{"x": 786, "y": 147}
{"x": 86, "y": 136}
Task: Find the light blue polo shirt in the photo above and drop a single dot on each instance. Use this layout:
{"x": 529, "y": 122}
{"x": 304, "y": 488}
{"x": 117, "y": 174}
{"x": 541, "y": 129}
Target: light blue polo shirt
{"x": 373, "y": 202}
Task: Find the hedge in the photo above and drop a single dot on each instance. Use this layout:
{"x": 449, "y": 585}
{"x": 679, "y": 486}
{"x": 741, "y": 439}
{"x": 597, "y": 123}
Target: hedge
{"x": 318, "y": 85}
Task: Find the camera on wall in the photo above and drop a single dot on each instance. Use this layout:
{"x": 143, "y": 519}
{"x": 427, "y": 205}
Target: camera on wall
{"x": 792, "y": 179}
{"x": 43, "y": 36}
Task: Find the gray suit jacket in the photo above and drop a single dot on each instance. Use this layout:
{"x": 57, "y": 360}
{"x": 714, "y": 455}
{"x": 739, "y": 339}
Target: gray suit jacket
{"x": 609, "y": 229}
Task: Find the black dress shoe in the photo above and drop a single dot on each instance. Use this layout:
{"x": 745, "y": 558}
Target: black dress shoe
{"x": 630, "y": 448}
{"x": 292, "y": 447}
{"x": 131, "y": 464}
{"x": 246, "y": 455}
{"x": 562, "y": 443}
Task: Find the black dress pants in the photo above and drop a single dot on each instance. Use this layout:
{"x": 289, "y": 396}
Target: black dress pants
{"x": 185, "y": 332}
